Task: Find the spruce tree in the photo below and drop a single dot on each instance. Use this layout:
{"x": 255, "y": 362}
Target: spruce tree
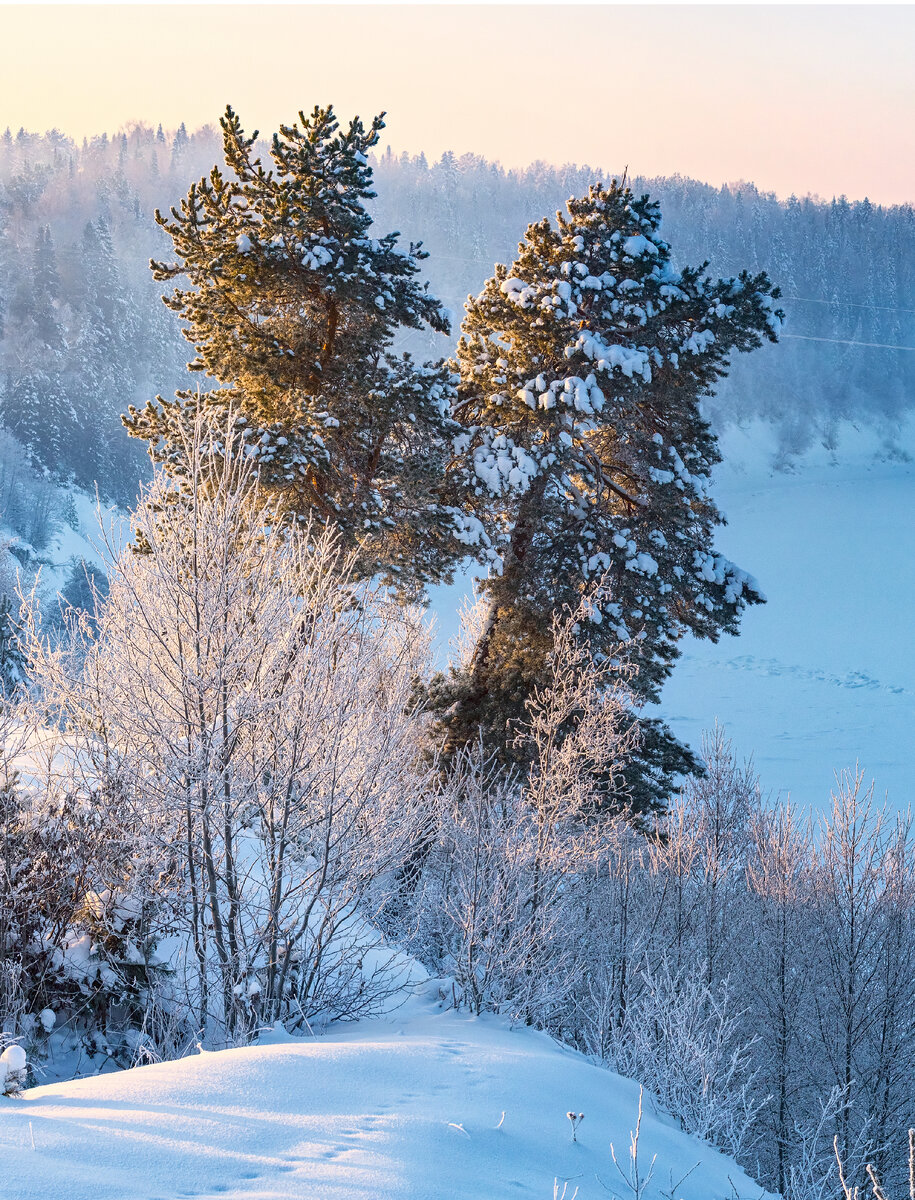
{"x": 12, "y": 660}
{"x": 293, "y": 308}
{"x": 180, "y": 144}
{"x": 106, "y": 363}
{"x": 37, "y": 407}
{"x": 585, "y": 459}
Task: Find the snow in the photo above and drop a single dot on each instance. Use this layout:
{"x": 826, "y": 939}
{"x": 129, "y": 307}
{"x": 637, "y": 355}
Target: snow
{"x": 420, "y": 1105}
{"x": 822, "y": 676}
{"x": 699, "y": 342}
{"x": 501, "y": 465}
{"x": 643, "y": 563}
{"x": 608, "y": 357}
{"x": 316, "y": 257}
{"x": 638, "y": 245}
{"x": 12, "y": 1060}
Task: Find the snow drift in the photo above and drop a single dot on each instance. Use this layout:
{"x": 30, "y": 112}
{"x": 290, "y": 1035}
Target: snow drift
{"x": 427, "y": 1106}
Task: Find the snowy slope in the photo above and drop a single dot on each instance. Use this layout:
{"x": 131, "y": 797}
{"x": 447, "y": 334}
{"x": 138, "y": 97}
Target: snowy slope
{"x": 393, "y": 1109}
{"x": 66, "y": 545}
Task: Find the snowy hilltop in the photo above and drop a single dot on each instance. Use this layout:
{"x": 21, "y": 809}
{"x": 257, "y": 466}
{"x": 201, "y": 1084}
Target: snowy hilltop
{"x": 420, "y": 1104}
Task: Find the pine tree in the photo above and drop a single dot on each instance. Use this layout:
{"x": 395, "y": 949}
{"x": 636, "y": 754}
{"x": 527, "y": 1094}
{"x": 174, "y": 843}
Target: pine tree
{"x": 585, "y": 459}
{"x": 12, "y": 659}
{"x": 180, "y": 144}
{"x": 293, "y": 308}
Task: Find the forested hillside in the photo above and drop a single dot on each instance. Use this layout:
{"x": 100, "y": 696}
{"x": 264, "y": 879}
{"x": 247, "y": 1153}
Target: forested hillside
{"x": 846, "y": 270}
{"x": 84, "y": 333}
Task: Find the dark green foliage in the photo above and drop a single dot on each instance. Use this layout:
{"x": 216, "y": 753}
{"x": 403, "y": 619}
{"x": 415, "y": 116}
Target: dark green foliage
{"x": 36, "y": 407}
{"x": 585, "y": 459}
{"x": 12, "y": 660}
{"x": 292, "y": 308}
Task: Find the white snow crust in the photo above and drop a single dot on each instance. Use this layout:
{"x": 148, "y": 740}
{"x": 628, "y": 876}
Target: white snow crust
{"x": 423, "y": 1106}
{"x": 822, "y": 677}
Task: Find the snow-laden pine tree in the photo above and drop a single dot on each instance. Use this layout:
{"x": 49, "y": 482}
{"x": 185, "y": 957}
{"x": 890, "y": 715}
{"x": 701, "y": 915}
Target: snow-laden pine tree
{"x": 585, "y": 459}
{"x": 292, "y": 308}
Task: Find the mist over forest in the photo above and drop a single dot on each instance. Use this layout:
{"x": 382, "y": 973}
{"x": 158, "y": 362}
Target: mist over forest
{"x": 83, "y": 332}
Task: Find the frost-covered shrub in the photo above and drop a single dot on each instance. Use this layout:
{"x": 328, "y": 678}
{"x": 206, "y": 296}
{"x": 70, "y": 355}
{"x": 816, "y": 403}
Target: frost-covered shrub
{"x": 247, "y": 712}
{"x": 482, "y": 920}
{"x": 63, "y": 949}
{"x": 682, "y": 1040}
{"x": 507, "y": 885}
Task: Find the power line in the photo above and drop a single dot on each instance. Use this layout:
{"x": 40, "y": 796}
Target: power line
{"x": 849, "y": 304}
{"x": 485, "y": 262}
{"x": 843, "y": 342}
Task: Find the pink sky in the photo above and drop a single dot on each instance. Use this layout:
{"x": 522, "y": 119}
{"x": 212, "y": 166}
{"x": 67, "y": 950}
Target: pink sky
{"x": 805, "y": 99}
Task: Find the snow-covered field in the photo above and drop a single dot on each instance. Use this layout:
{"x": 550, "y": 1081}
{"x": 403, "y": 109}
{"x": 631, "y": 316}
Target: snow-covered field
{"x": 823, "y": 675}
{"x": 424, "y": 1105}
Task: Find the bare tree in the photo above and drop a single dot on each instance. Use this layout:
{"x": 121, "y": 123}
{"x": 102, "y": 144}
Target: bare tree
{"x": 775, "y": 966}
{"x": 684, "y": 1042}
{"x": 249, "y": 711}
{"x": 863, "y": 990}
{"x": 506, "y": 888}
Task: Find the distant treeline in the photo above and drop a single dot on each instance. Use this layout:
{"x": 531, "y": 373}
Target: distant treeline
{"x": 83, "y": 332}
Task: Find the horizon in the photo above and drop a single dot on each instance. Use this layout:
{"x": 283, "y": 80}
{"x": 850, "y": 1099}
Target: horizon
{"x": 601, "y": 170}
{"x": 806, "y": 100}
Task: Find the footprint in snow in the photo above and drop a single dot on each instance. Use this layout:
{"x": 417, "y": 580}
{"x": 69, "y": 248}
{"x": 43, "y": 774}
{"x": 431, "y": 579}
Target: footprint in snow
{"x": 851, "y": 680}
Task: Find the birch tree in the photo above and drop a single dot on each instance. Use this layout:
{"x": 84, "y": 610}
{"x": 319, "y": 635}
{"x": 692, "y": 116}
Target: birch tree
{"x": 252, "y": 710}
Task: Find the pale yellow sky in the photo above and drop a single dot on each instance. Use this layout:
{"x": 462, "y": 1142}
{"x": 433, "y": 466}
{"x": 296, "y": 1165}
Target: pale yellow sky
{"x": 806, "y": 99}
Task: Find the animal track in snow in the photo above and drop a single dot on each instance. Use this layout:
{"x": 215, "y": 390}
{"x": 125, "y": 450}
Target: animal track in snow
{"x": 774, "y": 666}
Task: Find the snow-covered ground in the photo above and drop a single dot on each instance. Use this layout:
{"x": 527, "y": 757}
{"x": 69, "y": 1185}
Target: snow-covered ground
{"x": 823, "y": 676}
{"x": 67, "y": 546}
{"x": 421, "y": 1105}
